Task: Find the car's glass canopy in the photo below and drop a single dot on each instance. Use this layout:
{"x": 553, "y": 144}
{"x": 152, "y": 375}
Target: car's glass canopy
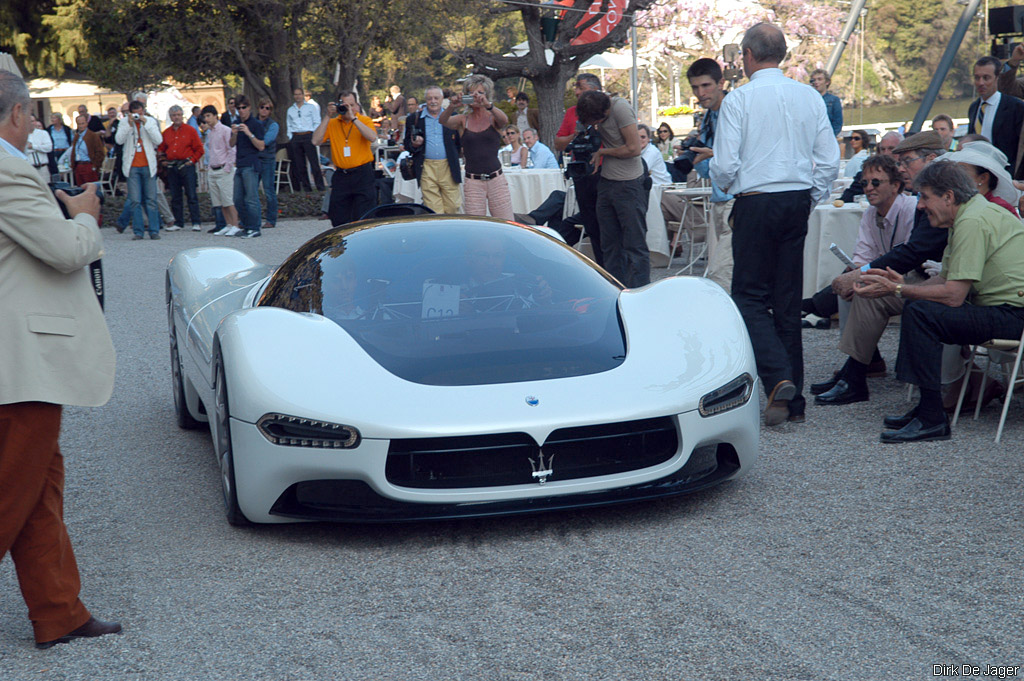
{"x": 448, "y": 301}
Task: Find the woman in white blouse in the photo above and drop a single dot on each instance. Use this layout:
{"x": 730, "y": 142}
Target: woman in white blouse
{"x": 520, "y": 153}
{"x": 859, "y": 140}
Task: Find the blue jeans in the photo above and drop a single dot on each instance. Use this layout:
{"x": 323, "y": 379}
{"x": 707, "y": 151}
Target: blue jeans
{"x": 142, "y": 188}
{"x": 247, "y": 197}
{"x": 267, "y": 168}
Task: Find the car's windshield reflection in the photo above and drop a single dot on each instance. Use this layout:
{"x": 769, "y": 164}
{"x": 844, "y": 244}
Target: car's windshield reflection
{"x": 456, "y": 302}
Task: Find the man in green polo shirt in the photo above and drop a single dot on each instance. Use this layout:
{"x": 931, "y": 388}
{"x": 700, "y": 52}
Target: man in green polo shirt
{"x": 978, "y": 297}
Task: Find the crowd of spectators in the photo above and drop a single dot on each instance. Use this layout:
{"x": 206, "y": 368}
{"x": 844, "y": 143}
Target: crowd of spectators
{"x": 458, "y": 144}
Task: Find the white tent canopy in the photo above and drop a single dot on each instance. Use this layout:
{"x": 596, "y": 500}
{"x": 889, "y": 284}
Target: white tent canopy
{"x": 605, "y": 60}
{"x": 7, "y": 63}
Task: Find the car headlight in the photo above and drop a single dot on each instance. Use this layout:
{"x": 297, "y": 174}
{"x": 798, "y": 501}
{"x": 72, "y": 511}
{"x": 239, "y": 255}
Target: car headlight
{"x": 733, "y": 394}
{"x": 292, "y": 431}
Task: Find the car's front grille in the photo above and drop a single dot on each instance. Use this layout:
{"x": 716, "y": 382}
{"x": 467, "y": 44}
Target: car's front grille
{"x": 515, "y": 459}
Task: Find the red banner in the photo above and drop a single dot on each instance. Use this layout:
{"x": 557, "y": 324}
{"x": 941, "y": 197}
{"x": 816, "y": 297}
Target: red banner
{"x": 604, "y": 23}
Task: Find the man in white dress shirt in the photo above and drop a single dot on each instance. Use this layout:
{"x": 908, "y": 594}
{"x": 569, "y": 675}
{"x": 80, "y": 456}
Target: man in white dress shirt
{"x": 775, "y": 151}
{"x": 541, "y": 155}
{"x": 39, "y": 145}
{"x": 302, "y": 119}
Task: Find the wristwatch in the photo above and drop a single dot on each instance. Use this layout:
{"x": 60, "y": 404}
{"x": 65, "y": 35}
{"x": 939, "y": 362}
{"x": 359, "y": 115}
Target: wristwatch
{"x": 490, "y": 107}
{"x": 899, "y": 290}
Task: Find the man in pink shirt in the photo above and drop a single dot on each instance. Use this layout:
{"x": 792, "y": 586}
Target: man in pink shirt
{"x": 886, "y": 224}
{"x": 221, "y": 175}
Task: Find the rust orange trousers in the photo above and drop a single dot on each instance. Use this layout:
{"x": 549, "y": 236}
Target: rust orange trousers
{"x": 32, "y": 518}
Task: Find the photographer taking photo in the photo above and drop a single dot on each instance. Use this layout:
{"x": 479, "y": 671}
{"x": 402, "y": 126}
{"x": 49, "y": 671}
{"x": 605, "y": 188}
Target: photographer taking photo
{"x": 577, "y": 140}
{"x": 707, "y": 83}
{"x": 621, "y": 196}
{"x": 57, "y": 351}
{"x": 350, "y": 133}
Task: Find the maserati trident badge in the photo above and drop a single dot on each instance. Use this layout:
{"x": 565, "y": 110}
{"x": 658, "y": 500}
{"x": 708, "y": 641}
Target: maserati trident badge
{"x": 532, "y": 401}
{"x": 541, "y": 470}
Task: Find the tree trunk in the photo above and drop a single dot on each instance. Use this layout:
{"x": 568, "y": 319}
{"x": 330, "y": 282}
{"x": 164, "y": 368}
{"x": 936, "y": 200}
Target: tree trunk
{"x": 551, "y": 104}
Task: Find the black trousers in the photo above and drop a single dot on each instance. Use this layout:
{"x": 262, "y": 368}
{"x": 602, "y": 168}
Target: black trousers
{"x": 926, "y": 325}
{"x": 178, "y": 178}
{"x": 300, "y": 152}
{"x": 768, "y": 232}
{"x": 353, "y": 193}
{"x": 586, "y": 199}
{"x": 622, "y": 216}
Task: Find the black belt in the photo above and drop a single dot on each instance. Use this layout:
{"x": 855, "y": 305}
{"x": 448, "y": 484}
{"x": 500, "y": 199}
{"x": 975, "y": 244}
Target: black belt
{"x": 296, "y": 134}
{"x": 347, "y": 171}
{"x": 216, "y": 167}
{"x": 484, "y": 176}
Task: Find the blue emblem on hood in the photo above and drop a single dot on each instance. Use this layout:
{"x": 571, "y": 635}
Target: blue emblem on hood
{"x": 532, "y": 401}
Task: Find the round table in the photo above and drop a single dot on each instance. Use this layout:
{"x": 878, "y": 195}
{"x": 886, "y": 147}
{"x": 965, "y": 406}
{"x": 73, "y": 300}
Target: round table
{"x": 827, "y": 225}
{"x": 657, "y": 233}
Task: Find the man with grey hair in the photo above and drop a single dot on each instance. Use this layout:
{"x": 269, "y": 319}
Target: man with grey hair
{"x": 775, "y": 186}
{"x": 978, "y": 296}
{"x": 56, "y": 351}
{"x": 435, "y": 153}
{"x": 182, "y": 150}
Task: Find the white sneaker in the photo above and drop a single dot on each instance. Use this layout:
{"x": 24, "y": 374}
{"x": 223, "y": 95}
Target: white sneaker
{"x": 222, "y": 230}
{"x": 172, "y": 228}
{"x": 197, "y": 228}
{"x": 233, "y": 230}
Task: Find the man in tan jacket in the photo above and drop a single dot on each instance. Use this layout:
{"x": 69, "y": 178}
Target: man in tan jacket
{"x": 56, "y": 351}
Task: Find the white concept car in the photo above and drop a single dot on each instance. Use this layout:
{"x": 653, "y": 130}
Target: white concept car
{"x": 436, "y": 367}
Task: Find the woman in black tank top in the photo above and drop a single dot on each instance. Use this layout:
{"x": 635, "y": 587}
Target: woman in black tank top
{"x": 486, "y": 188}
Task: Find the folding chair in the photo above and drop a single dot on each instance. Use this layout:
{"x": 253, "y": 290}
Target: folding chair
{"x": 1002, "y": 352}
{"x": 107, "y": 176}
{"x": 282, "y": 171}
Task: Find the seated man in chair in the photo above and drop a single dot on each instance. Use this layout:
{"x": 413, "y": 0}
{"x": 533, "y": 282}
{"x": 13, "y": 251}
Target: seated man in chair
{"x": 979, "y": 295}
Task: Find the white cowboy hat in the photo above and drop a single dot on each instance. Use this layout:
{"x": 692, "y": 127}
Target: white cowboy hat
{"x": 984, "y": 155}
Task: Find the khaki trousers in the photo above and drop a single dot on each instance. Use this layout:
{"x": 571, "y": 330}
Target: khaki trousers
{"x": 719, "y": 238}
{"x": 32, "y": 518}
{"x": 865, "y": 324}
{"x": 440, "y": 192}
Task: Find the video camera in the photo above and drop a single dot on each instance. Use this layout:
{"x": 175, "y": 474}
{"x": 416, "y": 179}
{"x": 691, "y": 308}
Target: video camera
{"x": 1005, "y": 24}
{"x": 581, "y": 149}
{"x": 95, "y": 267}
{"x": 684, "y": 161}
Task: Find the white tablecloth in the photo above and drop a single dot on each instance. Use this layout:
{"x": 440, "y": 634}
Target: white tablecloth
{"x": 529, "y": 188}
{"x": 657, "y": 233}
{"x": 828, "y": 225}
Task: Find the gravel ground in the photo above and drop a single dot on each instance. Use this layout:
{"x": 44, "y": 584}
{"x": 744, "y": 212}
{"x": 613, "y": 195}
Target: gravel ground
{"x": 836, "y": 558}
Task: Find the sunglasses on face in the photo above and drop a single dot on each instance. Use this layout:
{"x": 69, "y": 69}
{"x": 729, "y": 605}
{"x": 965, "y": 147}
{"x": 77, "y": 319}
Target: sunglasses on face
{"x": 243, "y": 106}
{"x": 857, "y": 139}
{"x": 264, "y": 108}
{"x": 876, "y": 182}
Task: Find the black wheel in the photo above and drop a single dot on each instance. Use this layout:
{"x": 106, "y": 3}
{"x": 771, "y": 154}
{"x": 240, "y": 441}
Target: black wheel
{"x": 222, "y": 445}
{"x": 185, "y": 419}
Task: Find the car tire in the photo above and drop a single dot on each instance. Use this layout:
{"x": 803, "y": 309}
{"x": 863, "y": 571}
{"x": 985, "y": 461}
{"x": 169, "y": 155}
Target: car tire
{"x": 222, "y": 446}
{"x": 185, "y": 419}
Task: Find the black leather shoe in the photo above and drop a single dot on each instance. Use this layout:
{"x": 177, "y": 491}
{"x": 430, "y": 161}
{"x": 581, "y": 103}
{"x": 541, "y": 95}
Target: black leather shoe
{"x": 915, "y": 431}
{"x": 90, "y": 629}
{"x": 897, "y": 422}
{"x": 877, "y": 369}
{"x": 825, "y": 386}
{"x": 842, "y": 394}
